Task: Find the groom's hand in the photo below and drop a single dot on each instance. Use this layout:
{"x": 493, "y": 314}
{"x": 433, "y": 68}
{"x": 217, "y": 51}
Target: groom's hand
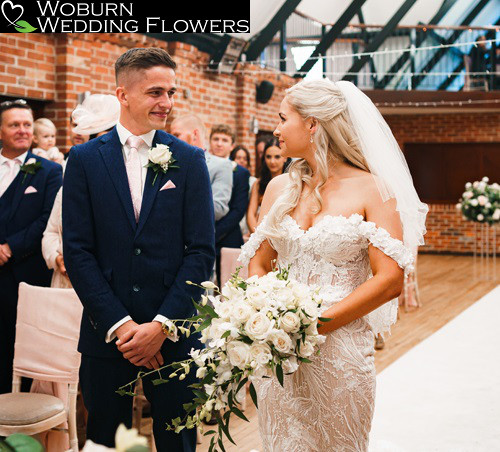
{"x": 142, "y": 346}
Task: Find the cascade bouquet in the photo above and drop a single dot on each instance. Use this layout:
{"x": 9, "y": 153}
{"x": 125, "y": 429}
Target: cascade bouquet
{"x": 480, "y": 202}
{"x": 255, "y": 328}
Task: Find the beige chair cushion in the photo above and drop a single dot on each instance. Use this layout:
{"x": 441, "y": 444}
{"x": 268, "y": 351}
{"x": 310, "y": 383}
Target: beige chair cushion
{"x": 25, "y": 408}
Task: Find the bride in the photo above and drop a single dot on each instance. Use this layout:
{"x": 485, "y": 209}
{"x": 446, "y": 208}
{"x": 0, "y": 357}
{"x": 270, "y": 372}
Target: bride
{"x": 344, "y": 218}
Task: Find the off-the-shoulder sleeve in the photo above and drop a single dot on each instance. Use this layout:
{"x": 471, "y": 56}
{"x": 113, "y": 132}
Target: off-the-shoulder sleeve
{"x": 249, "y": 249}
{"x": 394, "y": 248}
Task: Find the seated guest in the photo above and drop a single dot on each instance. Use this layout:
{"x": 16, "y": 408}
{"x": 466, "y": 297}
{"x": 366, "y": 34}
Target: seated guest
{"x": 75, "y": 138}
{"x": 227, "y": 229}
{"x": 44, "y": 136}
{"x": 190, "y": 128}
{"x": 28, "y": 186}
{"x": 241, "y": 156}
{"x": 272, "y": 165}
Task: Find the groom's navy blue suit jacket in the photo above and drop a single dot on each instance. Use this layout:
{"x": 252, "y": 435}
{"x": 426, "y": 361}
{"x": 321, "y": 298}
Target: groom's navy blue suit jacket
{"x": 119, "y": 267}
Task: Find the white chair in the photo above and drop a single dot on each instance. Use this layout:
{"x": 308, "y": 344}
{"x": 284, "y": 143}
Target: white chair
{"x": 410, "y": 297}
{"x": 47, "y": 332}
{"x": 229, "y": 263}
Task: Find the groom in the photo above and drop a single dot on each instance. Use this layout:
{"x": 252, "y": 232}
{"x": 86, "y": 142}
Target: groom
{"x": 132, "y": 238}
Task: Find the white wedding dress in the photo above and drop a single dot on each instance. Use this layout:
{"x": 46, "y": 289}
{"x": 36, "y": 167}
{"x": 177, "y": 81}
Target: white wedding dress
{"x": 327, "y": 406}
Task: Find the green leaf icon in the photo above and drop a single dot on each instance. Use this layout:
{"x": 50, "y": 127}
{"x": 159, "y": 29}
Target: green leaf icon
{"x": 24, "y": 27}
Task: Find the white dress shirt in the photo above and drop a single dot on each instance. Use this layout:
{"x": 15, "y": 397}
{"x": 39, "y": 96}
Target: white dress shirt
{"x": 5, "y": 168}
{"x": 123, "y": 135}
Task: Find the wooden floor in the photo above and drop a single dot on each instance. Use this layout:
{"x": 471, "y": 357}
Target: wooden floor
{"x": 447, "y": 287}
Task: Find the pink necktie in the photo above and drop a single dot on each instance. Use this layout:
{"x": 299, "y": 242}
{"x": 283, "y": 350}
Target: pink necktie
{"x": 134, "y": 173}
{"x": 10, "y": 176}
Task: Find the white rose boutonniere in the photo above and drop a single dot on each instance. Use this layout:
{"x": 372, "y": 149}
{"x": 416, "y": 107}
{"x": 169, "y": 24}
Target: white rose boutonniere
{"x": 160, "y": 159}
{"x": 30, "y": 167}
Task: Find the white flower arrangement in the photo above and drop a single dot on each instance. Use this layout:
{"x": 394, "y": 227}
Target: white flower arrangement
{"x": 259, "y": 327}
{"x": 480, "y": 202}
{"x": 160, "y": 159}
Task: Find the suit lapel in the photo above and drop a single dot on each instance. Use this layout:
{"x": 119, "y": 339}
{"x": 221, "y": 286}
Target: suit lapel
{"x": 20, "y": 186}
{"x": 150, "y": 190}
{"x": 112, "y": 154}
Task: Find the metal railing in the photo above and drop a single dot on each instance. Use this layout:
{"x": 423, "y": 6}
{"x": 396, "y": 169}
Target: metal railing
{"x": 412, "y": 58}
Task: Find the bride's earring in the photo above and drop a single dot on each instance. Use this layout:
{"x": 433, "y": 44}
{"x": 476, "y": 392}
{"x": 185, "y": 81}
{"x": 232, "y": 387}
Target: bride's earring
{"x": 312, "y": 140}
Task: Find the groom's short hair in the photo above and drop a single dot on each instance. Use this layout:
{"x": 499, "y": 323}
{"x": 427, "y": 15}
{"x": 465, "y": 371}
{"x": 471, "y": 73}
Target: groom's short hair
{"x": 143, "y": 58}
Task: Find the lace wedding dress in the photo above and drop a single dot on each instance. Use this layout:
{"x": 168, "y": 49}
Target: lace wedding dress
{"x": 327, "y": 405}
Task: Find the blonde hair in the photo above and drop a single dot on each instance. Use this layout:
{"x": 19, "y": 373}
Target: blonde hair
{"x": 193, "y": 122}
{"x": 334, "y": 140}
{"x": 42, "y": 123}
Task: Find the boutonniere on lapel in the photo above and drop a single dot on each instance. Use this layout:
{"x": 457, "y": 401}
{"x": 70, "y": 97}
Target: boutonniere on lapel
{"x": 160, "y": 159}
{"x": 30, "y": 167}
{"x": 235, "y": 165}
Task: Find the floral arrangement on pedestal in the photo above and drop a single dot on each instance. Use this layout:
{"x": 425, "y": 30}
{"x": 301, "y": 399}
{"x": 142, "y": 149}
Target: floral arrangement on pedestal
{"x": 480, "y": 202}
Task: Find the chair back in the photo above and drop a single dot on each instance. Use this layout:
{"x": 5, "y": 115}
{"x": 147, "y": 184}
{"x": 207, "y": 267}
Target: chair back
{"x": 229, "y": 263}
{"x": 47, "y": 332}
{"x": 467, "y": 65}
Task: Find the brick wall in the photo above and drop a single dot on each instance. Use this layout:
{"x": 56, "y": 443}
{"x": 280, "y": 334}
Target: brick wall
{"x": 447, "y": 231}
{"x": 56, "y": 68}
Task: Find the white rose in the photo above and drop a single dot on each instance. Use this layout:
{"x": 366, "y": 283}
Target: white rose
{"x": 310, "y": 307}
{"x": 284, "y": 296}
{"x": 480, "y": 217}
{"x": 262, "y": 371}
{"x": 301, "y": 291}
{"x": 468, "y": 185}
{"x": 488, "y": 205}
{"x": 256, "y": 297}
{"x": 160, "y": 154}
{"x": 31, "y": 161}
{"x": 126, "y": 439}
{"x": 289, "y": 322}
{"x": 261, "y": 354}
{"x": 290, "y": 365}
{"x": 458, "y": 206}
{"x": 231, "y": 293}
{"x": 241, "y": 312}
{"x": 306, "y": 349}
{"x": 475, "y": 184}
{"x": 482, "y": 200}
{"x": 496, "y": 215}
{"x": 486, "y": 179}
{"x": 481, "y": 186}
{"x": 474, "y": 202}
{"x": 238, "y": 353}
{"x": 281, "y": 341}
{"x": 258, "y": 326}
{"x": 224, "y": 309}
{"x": 467, "y": 195}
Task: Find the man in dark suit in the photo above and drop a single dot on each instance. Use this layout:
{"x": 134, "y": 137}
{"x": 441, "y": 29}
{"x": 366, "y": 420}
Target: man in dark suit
{"x": 227, "y": 229}
{"x": 132, "y": 237}
{"x": 28, "y": 187}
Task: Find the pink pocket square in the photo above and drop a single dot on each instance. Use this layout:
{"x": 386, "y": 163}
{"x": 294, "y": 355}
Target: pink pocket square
{"x": 168, "y": 185}
{"x": 30, "y": 189}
